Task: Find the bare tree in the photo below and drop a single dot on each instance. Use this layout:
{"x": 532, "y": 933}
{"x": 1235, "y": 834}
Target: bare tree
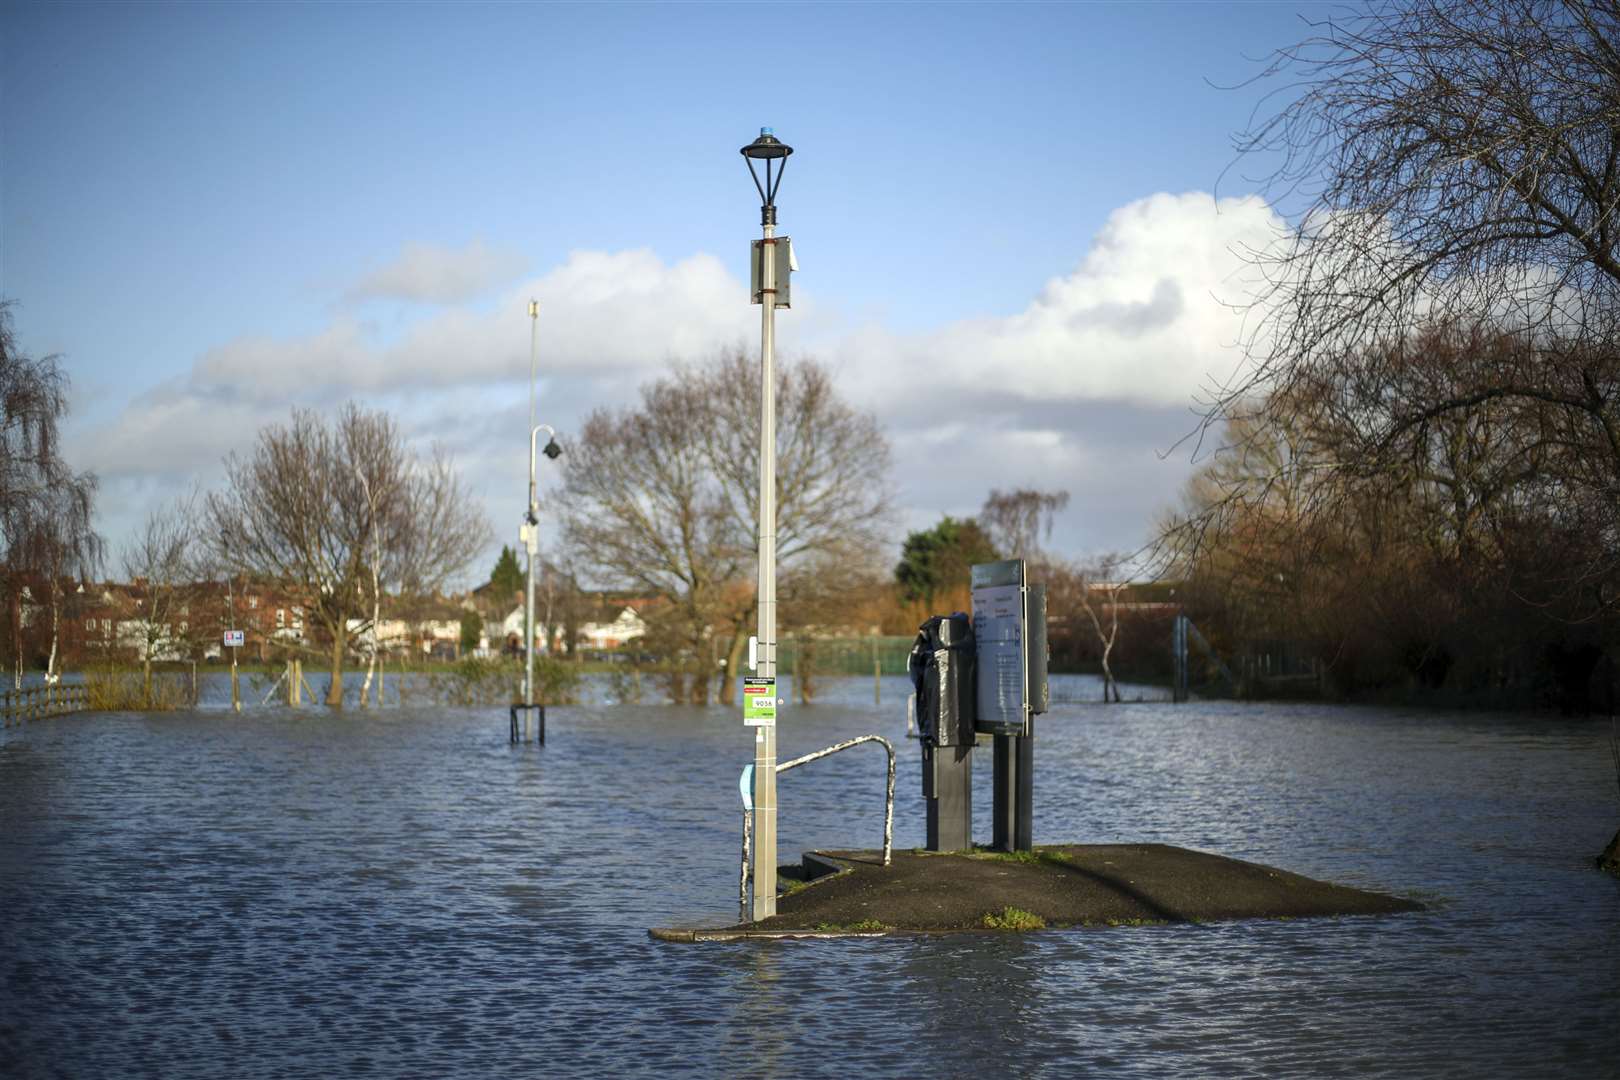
{"x": 1434, "y": 378}
{"x": 1445, "y": 159}
{"x": 662, "y": 498}
{"x": 160, "y": 564}
{"x": 1019, "y": 522}
{"x": 376, "y": 591}
{"x": 1099, "y": 579}
{"x": 833, "y": 491}
{"x": 1451, "y": 167}
{"x": 640, "y": 503}
{"x": 297, "y": 512}
{"x": 45, "y": 507}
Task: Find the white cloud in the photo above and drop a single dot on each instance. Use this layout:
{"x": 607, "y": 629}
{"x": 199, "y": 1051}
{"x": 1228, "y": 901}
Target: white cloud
{"x": 1082, "y": 390}
{"x": 439, "y": 275}
{"x": 599, "y": 312}
{"x": 171, "y": 432}
{"x": 1148, "y": 316}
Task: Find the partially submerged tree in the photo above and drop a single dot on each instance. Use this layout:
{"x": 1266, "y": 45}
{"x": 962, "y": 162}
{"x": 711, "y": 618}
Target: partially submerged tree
{"x": 662, "y": 497}
{"x": 160, "y": 564}
{"x": 834, "y": 494}
{"x": 1099, "y": 588}
{"x": 45, "y": 507}
{"x": 1450, "y": 169}
{"x": 1430, "y": 415}
{"x": 297, "y": 511}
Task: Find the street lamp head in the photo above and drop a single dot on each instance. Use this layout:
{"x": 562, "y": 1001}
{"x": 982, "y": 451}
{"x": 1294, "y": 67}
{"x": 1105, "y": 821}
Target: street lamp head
{"x": 767, "y": 146}
{"x": 771, "y": 150}
{"x": 552, "y": 450}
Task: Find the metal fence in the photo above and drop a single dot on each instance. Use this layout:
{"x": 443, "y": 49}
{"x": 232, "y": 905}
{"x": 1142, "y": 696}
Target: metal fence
{"x": 843, "y": 656}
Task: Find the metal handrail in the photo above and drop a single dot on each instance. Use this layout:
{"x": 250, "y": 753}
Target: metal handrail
{"x": 782, "y": 767}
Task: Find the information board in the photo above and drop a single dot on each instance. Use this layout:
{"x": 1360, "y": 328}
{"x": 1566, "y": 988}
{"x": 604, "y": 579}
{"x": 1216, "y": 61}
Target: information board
{"x": 234, "y": 639}
{"x": 759, "y": 702}
{"x": 998, "y": 634}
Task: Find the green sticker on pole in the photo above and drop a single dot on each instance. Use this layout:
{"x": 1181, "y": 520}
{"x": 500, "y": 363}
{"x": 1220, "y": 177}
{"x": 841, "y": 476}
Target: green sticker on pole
{"x": 759, "y": 702}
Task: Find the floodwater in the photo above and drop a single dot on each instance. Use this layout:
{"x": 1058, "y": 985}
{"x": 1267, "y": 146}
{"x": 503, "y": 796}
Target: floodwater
{"x": 402, "y": 893}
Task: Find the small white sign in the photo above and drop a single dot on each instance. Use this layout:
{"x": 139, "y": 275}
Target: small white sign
{"x": 235, "y": 639}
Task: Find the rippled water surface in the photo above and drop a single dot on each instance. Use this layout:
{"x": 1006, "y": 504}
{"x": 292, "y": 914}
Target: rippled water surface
{"x": 402, "y": 893}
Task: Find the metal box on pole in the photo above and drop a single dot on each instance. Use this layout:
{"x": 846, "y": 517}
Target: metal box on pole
{"x": 942, "y": 666}
{"x": 784, "y": 271}
{"x": 1009, "y": 628}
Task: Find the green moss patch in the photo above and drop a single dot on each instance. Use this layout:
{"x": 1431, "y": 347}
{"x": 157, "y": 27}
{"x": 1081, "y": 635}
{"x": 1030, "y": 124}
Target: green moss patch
{"x": 1012, "y": 918}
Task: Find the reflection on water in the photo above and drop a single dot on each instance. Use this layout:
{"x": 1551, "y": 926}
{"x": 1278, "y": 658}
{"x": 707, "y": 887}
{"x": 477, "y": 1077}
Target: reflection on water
{"x": 400, "y": 892}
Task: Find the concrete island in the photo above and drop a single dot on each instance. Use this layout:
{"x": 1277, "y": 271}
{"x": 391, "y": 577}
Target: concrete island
{"x": 836, "y": 894}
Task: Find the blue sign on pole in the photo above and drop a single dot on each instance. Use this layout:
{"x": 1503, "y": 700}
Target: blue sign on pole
{"x": 745, "y": 784}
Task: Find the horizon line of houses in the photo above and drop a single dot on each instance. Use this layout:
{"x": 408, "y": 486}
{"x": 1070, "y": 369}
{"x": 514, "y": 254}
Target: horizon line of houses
{"x": 132, "y": 621}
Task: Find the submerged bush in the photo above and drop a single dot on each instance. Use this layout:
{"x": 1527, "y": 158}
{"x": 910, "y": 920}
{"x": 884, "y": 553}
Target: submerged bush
{"x": 496, "y": 681}
{"x": 121, "y": 691}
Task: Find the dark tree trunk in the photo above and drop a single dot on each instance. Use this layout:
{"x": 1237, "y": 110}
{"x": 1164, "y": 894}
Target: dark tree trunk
{"x": 334, "y": 693}
{"x": 726, "y": 694}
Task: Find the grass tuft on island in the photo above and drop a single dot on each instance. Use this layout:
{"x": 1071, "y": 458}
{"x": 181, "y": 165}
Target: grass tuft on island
{"x": 851, "y": 893}
{"x": 1012, "y": 918}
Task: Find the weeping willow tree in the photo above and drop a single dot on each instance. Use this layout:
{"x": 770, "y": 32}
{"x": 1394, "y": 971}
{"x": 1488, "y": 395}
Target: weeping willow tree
{"x": 45, "y": 534}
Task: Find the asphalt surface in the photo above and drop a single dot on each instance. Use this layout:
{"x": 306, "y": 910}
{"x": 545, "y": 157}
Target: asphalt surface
{"x": 1065, "y": 885}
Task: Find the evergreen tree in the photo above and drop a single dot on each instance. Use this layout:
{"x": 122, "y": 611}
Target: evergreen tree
{"x": 939, "y": 558}
{"x": 507, "y": 577}
{"x": 472, "y": 625}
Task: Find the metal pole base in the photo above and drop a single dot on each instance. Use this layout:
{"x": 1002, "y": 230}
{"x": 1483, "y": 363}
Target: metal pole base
{"x": 948, "y": 795}
{"x": 540, "y": 723}
{"x": 1012, "y": 784}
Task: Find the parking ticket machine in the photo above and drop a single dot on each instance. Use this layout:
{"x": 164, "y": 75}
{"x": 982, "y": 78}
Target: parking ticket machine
{"x": 942, "y": 666}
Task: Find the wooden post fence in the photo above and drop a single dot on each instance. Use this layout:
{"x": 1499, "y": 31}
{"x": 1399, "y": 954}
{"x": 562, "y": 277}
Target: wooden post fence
{"x": 41, "y": 702}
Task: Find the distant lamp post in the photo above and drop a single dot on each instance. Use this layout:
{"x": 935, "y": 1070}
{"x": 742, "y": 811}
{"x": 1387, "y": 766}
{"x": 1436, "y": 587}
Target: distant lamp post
{"x": 759, "y": 694}
{"x": 530, "y": 535}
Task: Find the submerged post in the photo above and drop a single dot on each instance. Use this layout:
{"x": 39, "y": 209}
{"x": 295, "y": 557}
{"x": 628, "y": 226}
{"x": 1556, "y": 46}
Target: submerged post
{"x": 768, "y": 293}
{"x": 877, "y": 675}
{"x": 1178, "y": 646}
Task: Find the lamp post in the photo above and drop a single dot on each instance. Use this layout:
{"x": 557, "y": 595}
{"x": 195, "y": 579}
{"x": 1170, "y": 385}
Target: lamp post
{"x": 772, "y": 152}
{"x": 530, "y": 537}
{"x": 526, "y": 533}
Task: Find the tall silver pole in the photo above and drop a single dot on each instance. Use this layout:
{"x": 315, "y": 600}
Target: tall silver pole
{"x": 530, "y": 544}
{"x": 534, "y": 322}
{"x": 765, "y": 736}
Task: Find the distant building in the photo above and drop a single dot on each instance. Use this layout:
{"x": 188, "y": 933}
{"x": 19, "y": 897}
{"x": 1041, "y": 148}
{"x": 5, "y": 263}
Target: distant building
{"x": 626, "y": 627}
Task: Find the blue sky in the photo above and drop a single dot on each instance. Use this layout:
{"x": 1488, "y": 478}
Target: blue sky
{"x": 1006, "y": 219}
